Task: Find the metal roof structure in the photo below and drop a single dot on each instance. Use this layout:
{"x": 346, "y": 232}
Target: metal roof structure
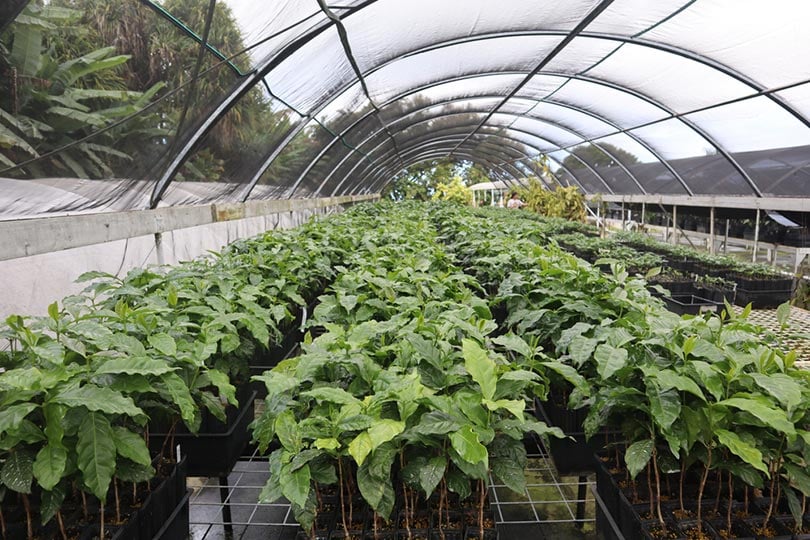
{"x": 625, "y": 97}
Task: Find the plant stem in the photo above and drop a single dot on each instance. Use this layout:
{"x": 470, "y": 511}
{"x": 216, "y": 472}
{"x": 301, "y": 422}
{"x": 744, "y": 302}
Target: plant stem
{"x": 84, "y": 504}
{"x": 649, "y": 489}
{"x": 773, "y": 467}
{"x": 730, "y": 499}
{"x": 61, "y": 525}
{"x": 342, "y": 505}
{"x": 101, "y": 534}
{"x": 117, "y": 501}
{"x": 657, "y": 486}
{"x": 442, "y": 495}
{"x": 680, "y": 485}
{"x": 28, "y": 520}
{"x": 719, "y": 490}
{"x": 702, "y": 487}
{"x": 481, "y": 496}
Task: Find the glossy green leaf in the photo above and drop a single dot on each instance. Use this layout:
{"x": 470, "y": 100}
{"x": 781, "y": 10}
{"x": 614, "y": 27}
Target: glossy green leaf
{"x": 51, "y": 502}
{"x": 18, "y": 471}
{"x": 96, "y": 453}
{"x": 142, "y": 365}
{"x": 331, "y": 394}
{"x": 515, "y": 344}
{"x": 770, "y": 417}
{"x": 288, "y": 431}
{"x": 96, "y": 398}
{"x": 480, "y": 367}
{"x": 781, "y": 386}
{"x": 384, "y": 430}
{"x": 49, "y": 465}
{"x": 609, "y": 360}
{"x": 164, "y": 343}
{"x": 377, "y": 491}
{"x": 638, "y": 455}
{"x": 431, "y": 474}
{"x": 295, "y": 485}
{"x": 511, "y": 473}
{"x": 465, "y": 442}
{"x": 360, "y": 447}
{"x": 11, "y": 417}
{"x": 131, "y": 446}
{"x": 742, "y": 449}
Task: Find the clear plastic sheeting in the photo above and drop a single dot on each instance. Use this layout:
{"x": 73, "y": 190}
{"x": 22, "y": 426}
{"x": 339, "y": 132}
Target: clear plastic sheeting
{"x": 301, "y": 98}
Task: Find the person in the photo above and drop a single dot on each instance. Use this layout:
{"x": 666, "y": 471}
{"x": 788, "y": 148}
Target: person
{"x": 515, "y": 201}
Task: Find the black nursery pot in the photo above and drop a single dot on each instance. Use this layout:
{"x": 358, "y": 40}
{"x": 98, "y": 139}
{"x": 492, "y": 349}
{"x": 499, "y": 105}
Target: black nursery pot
{"x": 739, "y": 530}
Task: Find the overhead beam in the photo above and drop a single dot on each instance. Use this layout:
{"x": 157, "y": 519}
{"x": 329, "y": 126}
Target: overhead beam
{"x": 46, "y": 235}
{"x": 744, "y": 202}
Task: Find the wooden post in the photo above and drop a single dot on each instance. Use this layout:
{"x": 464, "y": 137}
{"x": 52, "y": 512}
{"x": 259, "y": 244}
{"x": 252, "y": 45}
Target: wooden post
{"x": 756, "y": 238}
{"x": 711, "y": 230}
{"x": 725, "y": 242}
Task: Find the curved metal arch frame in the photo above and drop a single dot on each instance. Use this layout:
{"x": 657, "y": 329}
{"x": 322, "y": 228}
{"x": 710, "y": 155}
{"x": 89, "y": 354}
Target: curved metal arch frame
{"x": 271, "y": 63}
{"x": 427, "y": 156}
{"x": 348, "y": 155}
{"x": 433, "y": 141}
{"x": 584, "y": 139}
{"x": 385, "y": 158}
{"x": 651, "y": 101}
{"x": 377, "y": 178}
{"x": 559, "y": 147}
{"x": 339, "y": 165}
{"x": 574, "y": 176}
{"x": 590, "y": 114}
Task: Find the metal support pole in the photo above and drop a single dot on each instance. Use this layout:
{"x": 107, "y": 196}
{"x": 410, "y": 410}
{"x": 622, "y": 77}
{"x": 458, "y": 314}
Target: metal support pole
{"x": 711, "y": 230}
{"x": 492, "y": 196}
{"x": 622, "y": 215}
{"x": 725, "y": 241}
{"x": 161, "y": 258}
{"x": 674, "y": 224}
{"x": 643, "y": 213}
{"x": 756, "y": 238}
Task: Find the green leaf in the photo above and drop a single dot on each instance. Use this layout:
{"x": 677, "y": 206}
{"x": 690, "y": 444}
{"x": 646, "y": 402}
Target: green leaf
{"x": 50, "y": 465}
{"x": 327, "y": 444}
{"x": 665, "y": 406}
{"x": 131, "y": 446}
{"x": 465, "y": 442}
{"x": 742, "y": 449}
{"x": 458, "y": 483}
{"x": 384, "y": 430}
{"x": 377, "y": 491}
{"x": 295, "y": 485}
{"x": 638, "y": 455}
{"x": 515, "y": 344}
{"x": 435, "y": 423}
{"x": 781, "y": 386}
{"x": 142, "y": 365}
{"x": 431, "y": 474}
{"x": 223, "y": 385}
{"x": 331, "y": 394}
{"x": 668, "y": 378}
{"x": 26, "y": 53}
{"x": 770, "y": 417}
{"x": 510, "y": 473}
{"x": 164, "y": 343}
{"x": 783, "y": 314}
{"x": 609, "y": 360}
{"x": 18, "y": 471}
{"x": 361, "y": 447}
{"x": 51, "y": 502}
{"x": 96, "y": 453}
{"x": 181, "y": 396}
{"x": 514, "y": 406}
{"x": 11, "y": 417}
{"x": 96, "y": 398}
{"x": 288, "y": 431}
{"x": 480, "y": 367}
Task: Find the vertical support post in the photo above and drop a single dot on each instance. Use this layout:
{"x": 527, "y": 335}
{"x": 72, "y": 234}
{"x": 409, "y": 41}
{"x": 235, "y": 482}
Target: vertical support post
{"x": 599, "y": 218}
{"x": 756, "y": 238}
{"x": 725, "y": 242}
{"x": 492, "y": 197}
{"x": 711, "y": 230}
{"x": 161, "y": 257}
{"x": 643, "y": 213}
{"x": 674, "y": 224}
{"x": 622, "y": 215}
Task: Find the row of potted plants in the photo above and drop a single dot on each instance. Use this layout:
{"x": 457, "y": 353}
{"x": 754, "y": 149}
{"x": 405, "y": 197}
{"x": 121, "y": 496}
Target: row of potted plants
{"x": 695, "y": 399}
{"x": 403, "y": 397}
{"x": 122, "y": 368}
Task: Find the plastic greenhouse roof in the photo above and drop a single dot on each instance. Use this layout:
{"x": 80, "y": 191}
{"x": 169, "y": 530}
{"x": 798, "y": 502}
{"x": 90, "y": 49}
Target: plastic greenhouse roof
{"x": 623, "y": 96}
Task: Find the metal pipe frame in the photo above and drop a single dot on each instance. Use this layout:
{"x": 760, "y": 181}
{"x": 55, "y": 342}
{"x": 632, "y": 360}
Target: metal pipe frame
{"x": 382, "y": 170}
{"x": 421, "y": 148}
{"x": 269, "y": 64}
{"x": 474, "y": 111}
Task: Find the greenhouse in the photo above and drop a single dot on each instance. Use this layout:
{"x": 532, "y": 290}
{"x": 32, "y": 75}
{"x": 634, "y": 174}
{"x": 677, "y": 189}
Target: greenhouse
{"x": 385, "y": 270}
